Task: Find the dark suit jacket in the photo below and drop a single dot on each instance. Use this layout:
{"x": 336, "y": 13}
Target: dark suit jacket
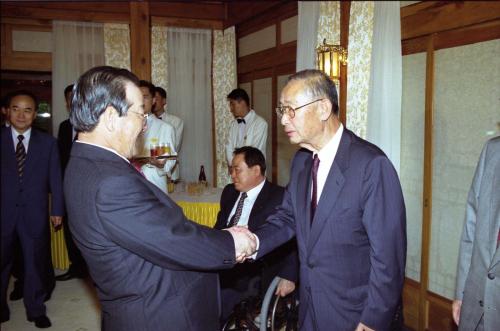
{"x": 142, "y": 253}
{"x": 65, "y": 141}
{"x": 282, "y": 262}
{"x": 27, "y": 203}
{"x": 353, "y": 255}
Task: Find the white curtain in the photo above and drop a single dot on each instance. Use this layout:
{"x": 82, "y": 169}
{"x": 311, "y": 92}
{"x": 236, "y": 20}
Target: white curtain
{"x": 190, "y": 96}
{"x": 384, "y": 102}
{"x": 76, "y": 47}
{"x": 307, "y": 34}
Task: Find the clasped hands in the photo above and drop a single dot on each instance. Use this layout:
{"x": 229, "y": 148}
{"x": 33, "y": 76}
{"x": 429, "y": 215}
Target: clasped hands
{"x": 245, "y": 242}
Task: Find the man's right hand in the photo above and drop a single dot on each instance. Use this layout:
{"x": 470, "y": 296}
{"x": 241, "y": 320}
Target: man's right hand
{"x": 245, "y": 242}
{"x": 455, "y": 309}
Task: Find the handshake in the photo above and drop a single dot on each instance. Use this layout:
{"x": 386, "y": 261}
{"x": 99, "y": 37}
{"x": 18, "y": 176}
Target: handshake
{"x": 245, "y": 242}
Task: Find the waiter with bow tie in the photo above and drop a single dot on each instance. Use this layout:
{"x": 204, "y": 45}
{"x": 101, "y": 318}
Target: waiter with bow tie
{"x": 248, "y": 129}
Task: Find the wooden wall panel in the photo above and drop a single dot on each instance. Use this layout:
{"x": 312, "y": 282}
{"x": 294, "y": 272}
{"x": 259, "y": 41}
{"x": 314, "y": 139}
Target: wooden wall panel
{"x": 439, "y": 314}
{"x": 410, "y": 303}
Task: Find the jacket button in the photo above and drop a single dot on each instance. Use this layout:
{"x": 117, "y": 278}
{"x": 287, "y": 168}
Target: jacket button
{"x": 481, "y": 303}
{"x": 491, "y": 276}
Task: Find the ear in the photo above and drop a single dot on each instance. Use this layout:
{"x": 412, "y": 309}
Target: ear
{"x": 109, "y": 118}
{"x": 325, "y": 109}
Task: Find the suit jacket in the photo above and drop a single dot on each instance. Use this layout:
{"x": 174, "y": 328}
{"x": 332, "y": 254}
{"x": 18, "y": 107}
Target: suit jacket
{"x": 26, "y": 203}
{"x": 282, "y": 262}
{"x": 143, "y": 254}
{"x": 65, "y": 141}
{"x": 478, "y": 281}
{"x": 353, "y": 255}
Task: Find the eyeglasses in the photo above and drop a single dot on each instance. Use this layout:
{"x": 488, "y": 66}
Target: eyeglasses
{"x": 290, "y": 111}
{"x": 144, "y": 116}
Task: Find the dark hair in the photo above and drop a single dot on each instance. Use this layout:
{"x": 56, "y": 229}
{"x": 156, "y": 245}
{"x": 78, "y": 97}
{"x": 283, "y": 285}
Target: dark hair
{"x": 68, "y": 89}
{"x": 25, "y": 93}
{"x": 252, "y": 156}
{"x": 238, "y": 95}
{"x": 97, "y": 89}
{"x": 161, "y": 91}
{"x": 318, "y": 85}
{"x": 151, "y": 87}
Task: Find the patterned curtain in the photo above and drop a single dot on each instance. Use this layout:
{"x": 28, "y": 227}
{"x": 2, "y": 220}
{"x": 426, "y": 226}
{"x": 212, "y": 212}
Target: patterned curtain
{"x": 159, "y": 56}
{"x": 117, "y": 45}
{"x": 359, "y": 63}
{"x": 224, "y": 81}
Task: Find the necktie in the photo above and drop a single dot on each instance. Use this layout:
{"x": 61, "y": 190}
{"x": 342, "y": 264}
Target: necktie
{"x": 314, "y": 198}
{"x": 239, "y": 208}
{"x": 240, "y": 120}
{"x": 20, "y": 156}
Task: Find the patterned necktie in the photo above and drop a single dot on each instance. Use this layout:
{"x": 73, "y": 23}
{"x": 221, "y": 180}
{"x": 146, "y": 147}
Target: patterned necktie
{"x": 236, "y": 217}
{"x": 20, "y": 156}
{"x": 314, "y": 198}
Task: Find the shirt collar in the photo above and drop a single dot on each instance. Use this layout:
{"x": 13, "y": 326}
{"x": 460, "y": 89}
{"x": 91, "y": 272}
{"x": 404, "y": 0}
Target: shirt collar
{"x": 328, "y": 152}
{"x": 26, "y": 134}
{"x": 106, "y": 148}
{"x": 253, "y": 193}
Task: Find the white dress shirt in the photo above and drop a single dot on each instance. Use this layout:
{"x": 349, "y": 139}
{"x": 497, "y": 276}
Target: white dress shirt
{"x": 178, "y": 125}
{"x": 326, "y": 156}
{"x": 26, "y": 140}
{"x": 157, "y": 132}
{"x": 251, "y": 133}
{"x": 247, "y": 204}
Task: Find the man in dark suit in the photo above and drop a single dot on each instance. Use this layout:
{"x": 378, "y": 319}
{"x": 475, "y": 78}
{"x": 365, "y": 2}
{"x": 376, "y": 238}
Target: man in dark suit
{"x": 345, "y": 206}
{"x": 248, "y": 202}
{"x": 30, "y": 171}
{"x": 149, "y": 263}
{"x": 65, "y": 138}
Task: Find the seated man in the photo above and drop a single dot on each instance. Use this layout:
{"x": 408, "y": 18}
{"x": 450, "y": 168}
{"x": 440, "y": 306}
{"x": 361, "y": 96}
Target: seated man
{"x": 248, "y": 202}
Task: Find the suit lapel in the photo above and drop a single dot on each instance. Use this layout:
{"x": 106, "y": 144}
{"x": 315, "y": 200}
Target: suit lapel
{"x": 254, "y": 221}
{"x": 331, "y": 191}
{"x": 229, "y": 205}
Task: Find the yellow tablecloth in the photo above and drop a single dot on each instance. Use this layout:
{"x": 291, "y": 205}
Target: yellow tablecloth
{"x": 201, "y": 212}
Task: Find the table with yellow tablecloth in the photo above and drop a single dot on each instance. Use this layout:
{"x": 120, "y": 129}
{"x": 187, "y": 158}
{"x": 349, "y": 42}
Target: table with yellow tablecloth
{"x": 202, "y": 209}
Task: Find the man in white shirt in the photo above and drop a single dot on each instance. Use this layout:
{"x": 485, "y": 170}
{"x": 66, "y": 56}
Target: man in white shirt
{"x": 156, "y": 133}
{"x": 248, "y": 128}
{"x": 345, "y": 206}
{"x": 248, "y": 202}
{"x": 159, "y": 109}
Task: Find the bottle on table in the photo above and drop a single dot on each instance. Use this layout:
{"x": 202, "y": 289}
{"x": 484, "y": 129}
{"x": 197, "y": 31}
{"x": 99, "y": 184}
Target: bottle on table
{"x": 202, "y": 178}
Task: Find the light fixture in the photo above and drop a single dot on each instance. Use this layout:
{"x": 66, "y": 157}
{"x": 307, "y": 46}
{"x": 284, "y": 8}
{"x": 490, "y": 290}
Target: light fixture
{"x": 330, "y": 58}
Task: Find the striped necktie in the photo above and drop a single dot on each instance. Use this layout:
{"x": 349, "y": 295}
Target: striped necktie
{"x": 239, "y": 208}
{"x": 20, "y": 156}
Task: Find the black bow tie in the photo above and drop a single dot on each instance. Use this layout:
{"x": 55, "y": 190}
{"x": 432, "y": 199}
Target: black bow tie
{"x": 240, "y": 120}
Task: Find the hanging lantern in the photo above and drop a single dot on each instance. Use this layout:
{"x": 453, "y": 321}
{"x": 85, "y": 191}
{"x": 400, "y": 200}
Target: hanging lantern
{"x": 330, "y": 58}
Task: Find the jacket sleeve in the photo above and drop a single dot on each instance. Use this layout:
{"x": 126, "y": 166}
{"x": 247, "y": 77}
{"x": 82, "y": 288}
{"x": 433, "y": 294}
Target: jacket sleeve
{"x": 134, "y": 219}
{"x": 469, "y": 228}
{"x": 384, "y": 220}
{"x": 55, "y": 181}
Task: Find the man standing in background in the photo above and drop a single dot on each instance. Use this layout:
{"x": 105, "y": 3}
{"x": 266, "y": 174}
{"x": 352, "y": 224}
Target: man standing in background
{"x": 159, "y": 109}
{"x": 65, "y": 138}
{"x": 156, "y": 133}
{"x": 30, "y": 171}
{"x": 247, "y": 129}
{"x": 477, "y": 303}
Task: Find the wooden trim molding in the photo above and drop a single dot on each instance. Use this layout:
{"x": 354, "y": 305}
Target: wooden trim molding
{"x": 140, "y": 40}
{"x": 187, "y": 22}
{"x": 345, "y": 13}
{"x": 427, "y": 189}
{"x": 428, "y": 17}
{"x": 453, "y": 38}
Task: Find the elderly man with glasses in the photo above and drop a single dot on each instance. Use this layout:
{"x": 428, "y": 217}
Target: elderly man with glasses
{"x": 345, "y": 206}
